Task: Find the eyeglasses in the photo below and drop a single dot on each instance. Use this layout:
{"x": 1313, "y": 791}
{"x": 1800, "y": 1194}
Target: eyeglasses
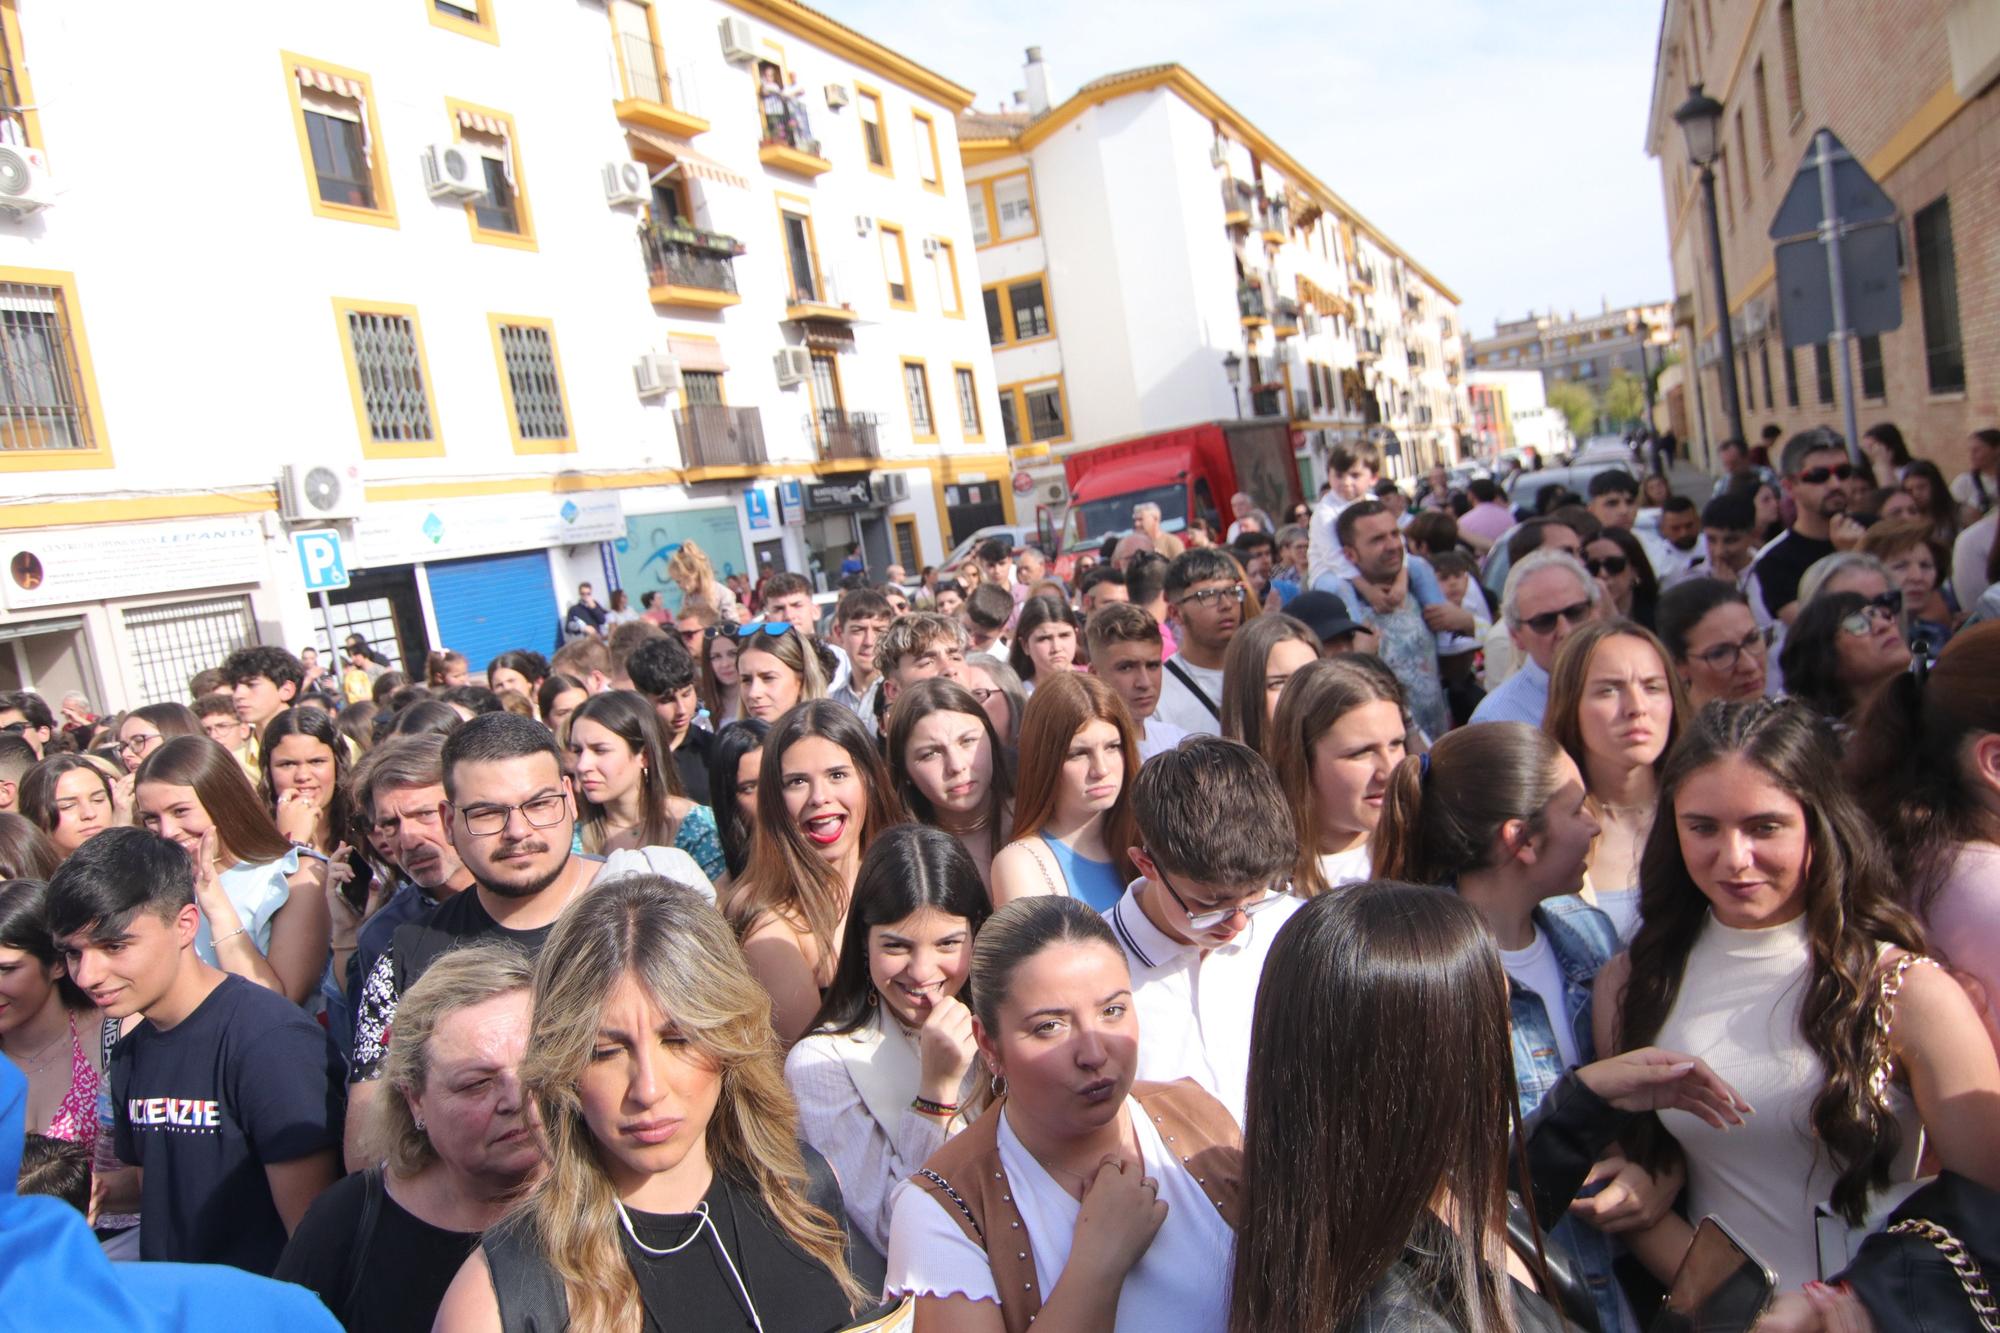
{"x": 1545, "y": 623}
{"x": 1724, "y": 656}
{"x": 1890, "y": 601}
{"x": 1612, "y": 565}
{"x": 1209, "y": 597}
{"x": 541, "y": 812}
{"x": 139, "y": 744}
{"x": 983, "y": 692}
{"x": 1816, "y": 476}
{"x": 1863, "y": 622}
{"x": 1209, "y": 920}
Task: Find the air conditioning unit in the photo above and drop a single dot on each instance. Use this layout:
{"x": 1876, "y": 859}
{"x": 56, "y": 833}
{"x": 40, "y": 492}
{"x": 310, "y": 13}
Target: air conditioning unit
{"x": 836, "y": 96}
{"x": 739, "y": 42}
{"x": 452, "y": 171}
{"x": 625, "y": 183}
{"x": 795, "y": 365}
{"x": 313, "y": 491}
{"x": 25, "y": 184}
{"x": 891, "y": 487}
{"x": 656, "y": 374}
{"x": 930, "y": 247}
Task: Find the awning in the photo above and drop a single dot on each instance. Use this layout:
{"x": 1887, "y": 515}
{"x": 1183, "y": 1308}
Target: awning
{"x": 318, "y": 80}
{"x": 684, "y": 153}
{"x": 328, "y": 83}
{"x": 696, "y": 353}
{"x": 482, "y": 124}
{"x": 826, "y": 337}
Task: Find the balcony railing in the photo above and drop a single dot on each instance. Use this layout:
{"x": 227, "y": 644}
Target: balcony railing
{"x": 1285, "y": 315}
{"x": 1267, "y": 400}
{"x": 686, "y": 257}
{"x": 1239, "y": 201}
{"x": 1250, "y": 302}
{"x": 786, "y": 126}
{"x": 841, "y": 435}
{"x": 1367, "y": 343}
{"x": 716, "y": 436}
{"x": 645, "y": 71}
{"x": 1273, "y": 216}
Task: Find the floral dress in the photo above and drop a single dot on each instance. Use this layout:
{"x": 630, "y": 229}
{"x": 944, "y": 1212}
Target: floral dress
{"x": 75, "y": 1119}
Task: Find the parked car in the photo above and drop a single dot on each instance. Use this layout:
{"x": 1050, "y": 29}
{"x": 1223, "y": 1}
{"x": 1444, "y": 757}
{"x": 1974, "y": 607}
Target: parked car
{"x": 1017, "y": 535}
{"x": 1525, "y": 491}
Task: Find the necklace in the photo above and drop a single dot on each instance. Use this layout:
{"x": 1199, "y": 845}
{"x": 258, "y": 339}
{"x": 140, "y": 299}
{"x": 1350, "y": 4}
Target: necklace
{"x": 33, "y": 1063}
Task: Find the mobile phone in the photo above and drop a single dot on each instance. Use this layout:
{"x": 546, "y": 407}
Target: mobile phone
{"x": 1720, "y": 1287}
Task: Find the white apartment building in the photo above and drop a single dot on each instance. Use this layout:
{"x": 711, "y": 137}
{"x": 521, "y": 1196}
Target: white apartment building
{"x": 1510, "y": 410}
{"x": 1149, "y": 259}
{"x": 512, "y": 295}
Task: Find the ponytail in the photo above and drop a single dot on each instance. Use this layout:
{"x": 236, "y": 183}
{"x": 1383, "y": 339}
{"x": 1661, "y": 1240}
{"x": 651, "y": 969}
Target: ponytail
{"x": 1444, "y": 810}
{"x": 1396, "y": 847}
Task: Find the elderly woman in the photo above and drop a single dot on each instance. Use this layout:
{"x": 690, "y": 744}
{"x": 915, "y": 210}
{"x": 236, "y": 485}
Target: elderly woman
{"x": 382, "y": 1245}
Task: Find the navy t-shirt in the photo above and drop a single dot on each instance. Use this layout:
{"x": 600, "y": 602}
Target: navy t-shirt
{"x": 243, "y": 1081}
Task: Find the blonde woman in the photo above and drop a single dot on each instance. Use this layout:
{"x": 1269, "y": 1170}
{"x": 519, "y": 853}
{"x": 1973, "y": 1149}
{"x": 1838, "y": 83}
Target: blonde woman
{"x": 676, "y": 1193}
{"x": 691, "y": 571}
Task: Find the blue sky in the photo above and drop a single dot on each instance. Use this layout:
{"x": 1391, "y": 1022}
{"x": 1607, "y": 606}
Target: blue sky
{"x": 1501, "y": 142}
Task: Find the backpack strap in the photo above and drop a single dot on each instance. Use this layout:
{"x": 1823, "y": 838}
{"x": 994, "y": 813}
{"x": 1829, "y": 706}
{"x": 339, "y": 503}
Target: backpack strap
{"x": 373, "y": 1191}
{"x": 1180, "y": 674}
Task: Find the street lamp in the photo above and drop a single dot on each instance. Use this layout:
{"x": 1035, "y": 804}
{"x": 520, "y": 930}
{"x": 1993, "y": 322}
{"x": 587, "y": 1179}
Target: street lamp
{"x": 1700, "y": 119}
{"x": 1232, "y": 366}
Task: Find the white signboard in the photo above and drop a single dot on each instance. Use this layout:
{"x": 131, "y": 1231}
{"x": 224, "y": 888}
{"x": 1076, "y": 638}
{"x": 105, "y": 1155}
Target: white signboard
{"x": 55, "y": 567}
{"x": 407, "y": 532}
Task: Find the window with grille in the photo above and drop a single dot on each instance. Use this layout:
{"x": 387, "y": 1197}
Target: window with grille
{"x": 1872, "y": 383}
{"x": 533, "y": 381}
{"x": 1031, "y": 310}
{"x": 906, "y": 547}
{"x": 701, "y": 387}
{"x": 42, "y": 405}
{"x": 1045, "y": 414}
{"x": 1937, "y": 283}
{"x": 389, "y": 364}
{"x": 171, "y": 644}
{"x": 968, "y": 401}
{"x": 1823, "y": 372}
{"x": 917, "y": 388}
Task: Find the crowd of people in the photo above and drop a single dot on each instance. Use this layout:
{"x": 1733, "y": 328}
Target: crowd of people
{"x": 1415, "y": 914}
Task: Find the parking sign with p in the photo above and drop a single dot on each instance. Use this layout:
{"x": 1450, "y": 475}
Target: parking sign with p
{"x": 322, "y": 559}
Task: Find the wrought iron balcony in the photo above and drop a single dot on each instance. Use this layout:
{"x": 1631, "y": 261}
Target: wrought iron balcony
{"x": 1285, "y": 317}
{"x": 840, "y": 435}
{"x": 1250, "y": 304}
{"x": 1368, "y": 344}
{"x": 649, "y": 92}
{"x": 1238, "y": 201}
{"x": 688, "y": 267}
{"x": 788, "y": 142}
{"x": 1267, "y": 400}
{"x": 716, "y": 436}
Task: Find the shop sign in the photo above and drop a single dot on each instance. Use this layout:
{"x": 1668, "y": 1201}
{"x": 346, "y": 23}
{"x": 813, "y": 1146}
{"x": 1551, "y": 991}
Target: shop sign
{"x": 757, "y": 508}
{"x": 842, "y": 496}
{"x": 791, "y": 504}
{"x": 408, "y": 532}
{"x": 101, "y": 564}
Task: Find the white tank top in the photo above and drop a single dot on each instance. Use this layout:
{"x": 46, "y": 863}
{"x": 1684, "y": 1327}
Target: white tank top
{"x": 1738, "y": 1009}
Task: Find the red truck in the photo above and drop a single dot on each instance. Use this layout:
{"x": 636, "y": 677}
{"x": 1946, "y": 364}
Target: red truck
{"x": 1189, "y": 473}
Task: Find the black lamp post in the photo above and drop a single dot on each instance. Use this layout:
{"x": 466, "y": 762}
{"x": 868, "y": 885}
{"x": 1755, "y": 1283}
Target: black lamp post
{"x": 1232, "y": 366}
{"x": 1700, "y": 118}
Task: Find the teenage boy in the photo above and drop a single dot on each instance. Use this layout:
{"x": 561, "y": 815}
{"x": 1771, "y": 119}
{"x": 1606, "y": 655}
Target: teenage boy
{"x": 858, "y": 623}
{"x": 985, "y": 616}
{"x": 1216, "y": 839}
{"x": 26, "y": 714}
{"x": 1206, "y": 596}
{"x": 1126, "y": 654}
{"x": 663, "y": 670}
{"x": 263, "y": 681}
{"x": 918, "y": 647}
{"x": 16, "y": 758}
{"x": 226, "y": 1097}
{"x": 1816, "y": 468}
{"x": 788, "y": 597}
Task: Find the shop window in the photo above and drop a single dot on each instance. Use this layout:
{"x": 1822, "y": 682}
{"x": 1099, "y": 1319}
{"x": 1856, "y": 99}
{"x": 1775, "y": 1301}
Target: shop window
{"x": 171, "y": 644}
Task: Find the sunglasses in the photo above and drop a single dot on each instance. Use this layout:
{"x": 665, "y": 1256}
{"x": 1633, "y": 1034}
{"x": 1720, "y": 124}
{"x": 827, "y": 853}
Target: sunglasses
{"x": 1816, "y": 476}
{"x": 1611, "y": 564}
{"x": 1862, "y": 623}
{"x": 750, "y": 629}
{"x": 1575, "y": 613}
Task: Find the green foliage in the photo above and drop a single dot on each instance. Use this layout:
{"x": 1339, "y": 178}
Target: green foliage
{"x": 1576, "y": 405}
{"x": 1624, "y": 398}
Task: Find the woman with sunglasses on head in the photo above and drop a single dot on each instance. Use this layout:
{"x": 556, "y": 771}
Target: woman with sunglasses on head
{"x": 1498, "y": 813}
{"x": 733, "y": 765}
{"x": 1081, "y": 1200}
{"x": 1047, "y": 640}
{"x": 1615, "y": 559}
{"x": 676, "y": 1193}
{"x": 264, "y": 910}
{"x": 69, "y": 798}
{"x": 777, "y": 667}
{"x": 629, "y": 792}
{"x": 1073, "y": 827}
{"x": 1000, "y": 692}
{"x": 1264, "y": 654}
{"x": 1339, "y": 733}
{"x": 949, "y": 768}
{"x": 823, "y": 796}
{"x": 1711, "y": 635}
{"x": 1771, "y": 947}
{"x": 1842, "y": 650}
{"x": 890, "y": 1070}
{"x": 717, "y": 651}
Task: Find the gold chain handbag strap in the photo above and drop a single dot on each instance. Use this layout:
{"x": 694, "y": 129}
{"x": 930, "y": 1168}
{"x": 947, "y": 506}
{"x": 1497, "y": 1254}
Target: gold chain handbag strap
{"x": 1953, "y": 1250}
{"x": 1883, "y": 1070}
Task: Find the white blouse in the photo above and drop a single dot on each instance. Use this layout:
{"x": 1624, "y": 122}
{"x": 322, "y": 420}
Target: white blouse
{"x": 1181, "y": 1282}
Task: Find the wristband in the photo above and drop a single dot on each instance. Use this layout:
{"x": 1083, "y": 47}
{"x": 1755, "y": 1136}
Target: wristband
{"x": 217, "y": 940}
{"x": 945, "y": 1110}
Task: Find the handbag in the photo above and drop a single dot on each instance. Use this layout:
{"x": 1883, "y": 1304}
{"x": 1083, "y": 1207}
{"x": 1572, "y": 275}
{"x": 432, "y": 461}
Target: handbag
{"x": 1837, "y": 1240}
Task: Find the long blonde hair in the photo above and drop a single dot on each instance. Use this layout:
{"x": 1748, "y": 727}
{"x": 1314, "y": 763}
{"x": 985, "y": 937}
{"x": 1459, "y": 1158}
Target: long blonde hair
{"x": 679, "y": 949}
{"x": 689, "y": 567}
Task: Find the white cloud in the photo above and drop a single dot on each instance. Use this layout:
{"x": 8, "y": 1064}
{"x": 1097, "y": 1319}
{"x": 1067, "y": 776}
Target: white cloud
{"x": 1498, "y": 141}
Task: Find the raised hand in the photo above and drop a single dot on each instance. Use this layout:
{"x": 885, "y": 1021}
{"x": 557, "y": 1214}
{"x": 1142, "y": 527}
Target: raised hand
{"x": 1650, "y": 1079}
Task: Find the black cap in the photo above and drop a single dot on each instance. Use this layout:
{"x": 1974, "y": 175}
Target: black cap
{"x": 1324, "y": 614}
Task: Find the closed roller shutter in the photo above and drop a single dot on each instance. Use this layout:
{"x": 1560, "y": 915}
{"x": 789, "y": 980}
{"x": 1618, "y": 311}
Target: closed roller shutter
{"x": 496, "y": 602}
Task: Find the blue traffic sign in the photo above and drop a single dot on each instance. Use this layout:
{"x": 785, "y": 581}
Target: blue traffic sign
{"x": 757, "y": 506}
{"x": 322, "y": 559}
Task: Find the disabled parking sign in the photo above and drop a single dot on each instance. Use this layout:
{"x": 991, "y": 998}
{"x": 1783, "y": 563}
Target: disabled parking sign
{"x": 322, "y": 559}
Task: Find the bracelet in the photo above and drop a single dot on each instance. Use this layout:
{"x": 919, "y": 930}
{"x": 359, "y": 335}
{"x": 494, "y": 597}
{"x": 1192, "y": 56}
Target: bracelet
{"x": 217, "y": 940}
{"x": 928, "y": 1107}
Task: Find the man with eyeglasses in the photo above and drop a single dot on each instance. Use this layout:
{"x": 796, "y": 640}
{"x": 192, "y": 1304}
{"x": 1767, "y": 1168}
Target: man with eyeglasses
{"x": 1198, "y": 923}
{"x": 1206, "y": 600}
{"x": 1547, "y": 596}
{"x": 509, "y": 816}
{"x": 1816, "y": 469}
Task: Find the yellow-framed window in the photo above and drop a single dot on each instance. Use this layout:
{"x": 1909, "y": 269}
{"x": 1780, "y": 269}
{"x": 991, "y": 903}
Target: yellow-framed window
{"x": 340, "y": 141}
{"x": 896, "y": 266}
{"x": 1002, "y": 209}
{"x": 795, "y": 224}
{"x": 917, "y": 396}
{"x": 501, "y": 215}
{"x": 1018, "y": 311}
{"x": 538, "y": 418}
{"x": 909, "y": 546}
{"x": 924, "y": 132}
{"x": 874, "y": 130}
{"x": 50, "y": 415}
{"x": 642, "y": 62}
{"x": 468, "y": 18}
{"x": 19, "y": 110}
{"x": 389, "y": 377}
{"x": 966, "y": 384}
{"x": 951, "y": 297}
{"x": 1035, "y": 411}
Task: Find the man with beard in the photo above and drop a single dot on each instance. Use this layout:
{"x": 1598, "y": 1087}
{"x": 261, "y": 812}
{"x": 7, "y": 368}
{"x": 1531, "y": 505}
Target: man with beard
{"x": 509, "y": 814}
{"x": 1373, "y": 543}
{"x": 1816, "y": 468}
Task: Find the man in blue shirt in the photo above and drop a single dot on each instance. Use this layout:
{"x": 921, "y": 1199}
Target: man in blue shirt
{"x": 1546, "y": 597}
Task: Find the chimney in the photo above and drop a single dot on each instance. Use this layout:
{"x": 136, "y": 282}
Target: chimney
{"x": 1037, "y": 77}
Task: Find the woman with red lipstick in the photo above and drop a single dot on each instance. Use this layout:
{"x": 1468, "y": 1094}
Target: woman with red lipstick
{"x": 1340, "y": 730}
{"x": 629, "y": 792}
{"x": 1073, "y": 827}
{"x": 949, "y": 769}
{"x": 1615, "y": 706}
{"x": 1771, "y": 946}
{"x": 304, "y": 763}
{"x": 823, "y": 795}
{"x": 1080, "y": 1200}
{"x": 676, "y": 1193}
{"x": 48, "y": 1027}
{"x": 890, "y": 1071}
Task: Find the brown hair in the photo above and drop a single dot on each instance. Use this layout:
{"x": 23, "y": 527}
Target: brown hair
{"x": 1121, "y": 622}
{"x": 242, "y": 822}
{"x": 1571, "y": 671}
{"x": 579, "y": 657}
{"x": 1445, "y": 810}
{"x": 920, "y": 701}
{"x": 1243, "y": 669}
{"x": 1056, "y": 712}
{"x": 438, "y": 665}
{"x": 36, "y": 795}
{"x": 796, "y": 652}
{"x": 25, "y": 851}
{"x": 629, "y": 716}
{"x": 1316, "y": 698}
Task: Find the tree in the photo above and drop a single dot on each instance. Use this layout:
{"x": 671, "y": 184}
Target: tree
{"x": 1576, "y": 404}
{"x": 1624, "y": 398}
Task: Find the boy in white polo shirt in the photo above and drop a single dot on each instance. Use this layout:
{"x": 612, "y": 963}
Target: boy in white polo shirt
{"x": 1197, "y": 925}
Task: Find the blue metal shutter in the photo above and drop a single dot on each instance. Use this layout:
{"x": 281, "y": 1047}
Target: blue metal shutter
{"x": 493, "y": 603}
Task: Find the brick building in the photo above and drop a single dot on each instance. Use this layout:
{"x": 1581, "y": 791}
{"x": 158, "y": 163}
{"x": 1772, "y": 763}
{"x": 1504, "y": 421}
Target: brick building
{"x": 1910, "y": 89}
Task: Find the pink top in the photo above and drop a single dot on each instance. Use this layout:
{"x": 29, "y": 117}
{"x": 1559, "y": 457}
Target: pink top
{"x": 76, "y": 1118}
{"x": 1964, "y": 917}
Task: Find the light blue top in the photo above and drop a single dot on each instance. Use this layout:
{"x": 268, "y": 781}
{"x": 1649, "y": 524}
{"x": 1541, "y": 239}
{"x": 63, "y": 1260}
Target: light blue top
{"x": 1522, "y": 697}
{"x": 257, "y": 892}
{"x": 1096, "y": 882}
